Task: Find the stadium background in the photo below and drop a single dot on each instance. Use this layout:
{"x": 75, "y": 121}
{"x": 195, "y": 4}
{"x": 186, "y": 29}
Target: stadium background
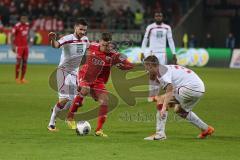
{"x": 25, "y": 108}
{"x": 194, "y": 25}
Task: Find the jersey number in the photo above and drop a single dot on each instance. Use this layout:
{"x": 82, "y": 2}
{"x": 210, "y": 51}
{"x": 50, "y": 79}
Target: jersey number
{"x": 79, "y": 48}
{"x": 185, "y": 69}
{"x": 159, "y": 34}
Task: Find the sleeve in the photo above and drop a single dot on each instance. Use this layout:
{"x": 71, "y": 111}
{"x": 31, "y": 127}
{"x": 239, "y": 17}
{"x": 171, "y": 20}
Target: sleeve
{"x": 166, "y": 79}
{"x": 145, "y": 39}
{"x": 63, "y": 40}
{"x": 121, "y": 62}
{"x": 170, "y": 41}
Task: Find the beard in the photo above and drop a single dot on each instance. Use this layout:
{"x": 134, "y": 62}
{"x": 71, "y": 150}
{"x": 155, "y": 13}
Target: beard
{"x": 158, "y": 22}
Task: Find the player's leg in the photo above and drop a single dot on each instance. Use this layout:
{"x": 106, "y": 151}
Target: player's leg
{"x": 101, "y": 94}
{"x": 160, "y": 121}
{"x": 77, "y": 101}
{"x": 59, "y": 106}
{"x": 188, "y": 99}
{"x": 24, "y": 64}
{"x": 64, "y": 99}
{"x": 18, "y": 64}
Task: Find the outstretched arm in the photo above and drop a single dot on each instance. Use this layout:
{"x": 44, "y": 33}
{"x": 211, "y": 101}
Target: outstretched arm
{"x": 122, "y": 63}
{"x": 168, "y": 98}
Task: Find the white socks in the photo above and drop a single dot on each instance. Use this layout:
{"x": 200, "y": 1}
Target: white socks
{"x": 161, "y": 122}
{"x": 194, "y": 119}
{"x": 56, "y": 110}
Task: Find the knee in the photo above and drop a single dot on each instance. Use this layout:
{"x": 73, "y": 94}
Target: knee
{"x": 18, "y": 60}
{"x": 84, "y": 91}
{"x": 160, "y": 99}
{"x": 62, "y": 102}
{"x": 24, "y": 62}
{"x": 103, "y": 100}
{"x": 180, "y": 112}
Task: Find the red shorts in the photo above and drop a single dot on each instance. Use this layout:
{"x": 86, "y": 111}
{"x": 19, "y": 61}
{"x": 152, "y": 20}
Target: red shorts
{"x": 22, "y": 52}
{"x": 95, "y": 88}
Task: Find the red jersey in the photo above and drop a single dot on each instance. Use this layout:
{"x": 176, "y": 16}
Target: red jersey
{"x": 20, "y": 32}
{"x": 98, "y": 65}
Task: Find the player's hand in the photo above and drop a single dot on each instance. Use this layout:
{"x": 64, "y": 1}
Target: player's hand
{"x": 174, "y": 60}
{"x": 52, "y": 35}
{"x": 14, "y": 49}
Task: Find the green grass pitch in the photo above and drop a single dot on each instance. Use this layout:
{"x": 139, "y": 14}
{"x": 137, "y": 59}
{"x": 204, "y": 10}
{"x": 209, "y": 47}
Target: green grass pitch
{"x": 25, "y": 111}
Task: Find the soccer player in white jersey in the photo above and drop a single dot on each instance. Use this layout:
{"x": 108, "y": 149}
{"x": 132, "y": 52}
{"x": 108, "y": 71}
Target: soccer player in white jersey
{"x": 181, "y": 85}
{"x": 73, "y": 51}
{"x": 156, "y": 36}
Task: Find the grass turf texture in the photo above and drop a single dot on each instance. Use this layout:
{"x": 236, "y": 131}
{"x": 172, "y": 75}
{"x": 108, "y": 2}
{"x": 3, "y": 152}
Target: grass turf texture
{"x": 25, "y": 111}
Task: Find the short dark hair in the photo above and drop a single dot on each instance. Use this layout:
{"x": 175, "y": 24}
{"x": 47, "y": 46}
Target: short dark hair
{"x": 151, "y": 60}
{"x": 81, "y": 21}
{"x": 106, "y": 36}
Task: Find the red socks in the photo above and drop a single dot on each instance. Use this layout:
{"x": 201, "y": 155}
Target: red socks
{"x": 17, "y": 67}
{"x": 102, "y": 116}
{"x": 24, "y": 69}
{"x": 77, "y": 102}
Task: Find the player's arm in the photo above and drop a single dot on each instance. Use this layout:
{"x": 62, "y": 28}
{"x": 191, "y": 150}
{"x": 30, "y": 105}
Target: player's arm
{"x": 12, "y": 39}
{"x": 145, "y": 42}
{"x": 172, "y": 45}
{"x": 122, "y": 63}
{"x": 167, "y": 99}
{"x": 84, "y": 58}
{"x": 53, "y": 40}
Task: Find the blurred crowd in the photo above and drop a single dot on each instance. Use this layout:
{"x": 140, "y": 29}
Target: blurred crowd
{"x": 62, "y": 12}
{"x": 191, "y": 41}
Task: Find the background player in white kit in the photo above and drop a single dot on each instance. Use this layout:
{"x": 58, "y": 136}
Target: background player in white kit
{"x": 73, "y": 50}
{"x": 155, "y": 37}
{"x": 181, "y": 85}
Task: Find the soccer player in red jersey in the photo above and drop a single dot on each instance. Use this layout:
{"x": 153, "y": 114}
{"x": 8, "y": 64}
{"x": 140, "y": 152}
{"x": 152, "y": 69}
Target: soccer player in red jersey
{"x": 93, "y": 76}
{"x": 19, "y": 39}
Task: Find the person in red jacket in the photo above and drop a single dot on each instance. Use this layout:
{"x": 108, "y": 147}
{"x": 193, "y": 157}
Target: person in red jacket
{"x": 20, "y": 35}
{"x": 93, "y": 76}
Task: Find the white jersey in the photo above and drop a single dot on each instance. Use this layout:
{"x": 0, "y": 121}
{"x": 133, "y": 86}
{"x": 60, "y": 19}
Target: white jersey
{"x": 73, "y": 50}
{"x": 179, "y": 77}
{"x": 156, "y": 36}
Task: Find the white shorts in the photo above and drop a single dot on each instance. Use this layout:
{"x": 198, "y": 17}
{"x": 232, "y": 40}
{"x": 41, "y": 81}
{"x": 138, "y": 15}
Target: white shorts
{"x": 67, "y": 84}
{"x": 187, "y": 97}
{"x": 162, "y": 57}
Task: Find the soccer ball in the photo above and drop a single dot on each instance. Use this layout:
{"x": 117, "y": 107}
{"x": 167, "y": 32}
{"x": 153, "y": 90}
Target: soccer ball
{"x": 83, "y": 128}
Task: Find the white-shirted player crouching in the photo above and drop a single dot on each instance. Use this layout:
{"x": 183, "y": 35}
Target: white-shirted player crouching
{"x": 73, "y": 50}
{"x": 156, "y": 36}
{"x": 181, "y": 85}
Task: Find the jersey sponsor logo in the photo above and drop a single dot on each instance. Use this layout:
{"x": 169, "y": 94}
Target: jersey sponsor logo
{"x": 97, "y": 61}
